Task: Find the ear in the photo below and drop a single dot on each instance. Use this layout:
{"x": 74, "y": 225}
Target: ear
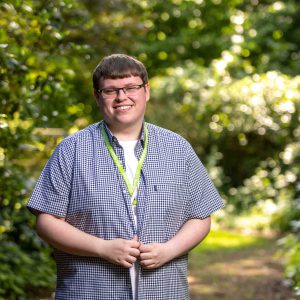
{"x": 147, "y": 92}
{"x": 96, "y": 96}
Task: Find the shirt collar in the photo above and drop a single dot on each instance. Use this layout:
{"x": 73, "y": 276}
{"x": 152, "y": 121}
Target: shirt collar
{"x": 113, "y": 139}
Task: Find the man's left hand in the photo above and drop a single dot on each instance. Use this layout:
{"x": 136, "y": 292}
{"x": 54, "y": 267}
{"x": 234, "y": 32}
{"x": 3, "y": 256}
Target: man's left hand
{"x": 154, "y": 255}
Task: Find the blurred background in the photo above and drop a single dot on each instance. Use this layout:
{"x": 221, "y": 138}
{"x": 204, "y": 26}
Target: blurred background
{"x": 223, "y": 74}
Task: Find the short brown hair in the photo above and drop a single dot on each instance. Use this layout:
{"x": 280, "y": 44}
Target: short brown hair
{"x": 118, "y": 66}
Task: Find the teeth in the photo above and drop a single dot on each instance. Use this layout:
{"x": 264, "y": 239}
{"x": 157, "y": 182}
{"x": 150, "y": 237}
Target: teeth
{"x": 123, "y": 107}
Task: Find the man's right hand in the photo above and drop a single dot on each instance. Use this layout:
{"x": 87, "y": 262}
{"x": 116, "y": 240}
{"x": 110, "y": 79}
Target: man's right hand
{"x": 122, "y": 252}
{"x": 65, "y": 237}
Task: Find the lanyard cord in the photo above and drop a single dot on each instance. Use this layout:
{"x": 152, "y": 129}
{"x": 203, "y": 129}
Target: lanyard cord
{"x": 131, "y": 188}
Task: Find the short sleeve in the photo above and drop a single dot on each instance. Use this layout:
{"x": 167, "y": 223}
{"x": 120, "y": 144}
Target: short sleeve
{"x": 204, "y": 198}
{"x": 51, "y": 193}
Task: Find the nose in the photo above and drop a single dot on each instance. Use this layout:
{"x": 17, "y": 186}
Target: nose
{"x": 121, "y": 95}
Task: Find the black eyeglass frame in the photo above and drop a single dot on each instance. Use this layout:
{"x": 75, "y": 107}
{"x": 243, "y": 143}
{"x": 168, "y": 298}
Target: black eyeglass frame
{"x": 117, "y": 90}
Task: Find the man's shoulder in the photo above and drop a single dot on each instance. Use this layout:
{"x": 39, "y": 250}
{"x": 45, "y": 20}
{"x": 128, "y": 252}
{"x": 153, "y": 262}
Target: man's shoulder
{"x": 82, "y": 136}
{"x": 165, "y": 135}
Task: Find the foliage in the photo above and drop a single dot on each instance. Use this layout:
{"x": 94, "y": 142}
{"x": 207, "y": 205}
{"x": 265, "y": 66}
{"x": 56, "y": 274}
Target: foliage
{"x": 36, "y": 90}
{"x": 175, "y": 31}
{"x": 45, "y": 62}
{"x": 247, "y": 131}
{"x": 266, "y": 36}
{"x": 290, "y": 220}
{"x": 263, "y": 35}
{"x": 291, "y": 253}
{"x": 232, "y": 119}
{"x": 21, "y": 269}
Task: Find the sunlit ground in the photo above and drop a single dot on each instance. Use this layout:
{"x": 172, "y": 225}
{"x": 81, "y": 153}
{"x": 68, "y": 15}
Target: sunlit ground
{"x": 237, "y": 267}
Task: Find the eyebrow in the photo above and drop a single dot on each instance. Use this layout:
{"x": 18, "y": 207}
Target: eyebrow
{"x": 116, "y": 87}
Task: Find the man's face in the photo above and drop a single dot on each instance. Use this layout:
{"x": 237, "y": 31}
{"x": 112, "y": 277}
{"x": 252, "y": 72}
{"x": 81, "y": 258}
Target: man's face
{"x": 123, "y": 110}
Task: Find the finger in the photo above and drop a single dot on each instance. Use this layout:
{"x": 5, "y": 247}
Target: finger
{"x": 131, "y": 259}
{"x": 145, "y": 256}
{"x": 147, "y": 262}
{"x": 134, "y": 243}
{"x": 134, "y": 252}
{"x": 150, "y": 265}
{"x": 136, "y": 238}
{"x": 126, "y": 264}
{"x": 153, "y": 266}
{"x": 145, "y": 248}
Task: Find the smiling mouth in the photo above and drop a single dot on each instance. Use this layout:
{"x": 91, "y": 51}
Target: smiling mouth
{"x": 123, "y": 107}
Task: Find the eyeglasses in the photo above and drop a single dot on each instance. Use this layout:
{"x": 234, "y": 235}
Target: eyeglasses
{"x": 130, "y": 90}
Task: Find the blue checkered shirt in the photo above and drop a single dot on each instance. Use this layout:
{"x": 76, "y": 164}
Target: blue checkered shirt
{"x": 82, "y": 184}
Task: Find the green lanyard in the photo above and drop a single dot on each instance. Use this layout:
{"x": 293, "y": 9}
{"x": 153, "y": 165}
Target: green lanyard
{"x": 131, "y": 188}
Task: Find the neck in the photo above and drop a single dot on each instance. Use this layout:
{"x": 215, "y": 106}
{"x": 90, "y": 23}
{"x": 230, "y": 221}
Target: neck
{"x": 126, "y": 133}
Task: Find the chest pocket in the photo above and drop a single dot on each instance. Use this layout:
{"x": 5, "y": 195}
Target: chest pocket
{"x": 167, "y": 202}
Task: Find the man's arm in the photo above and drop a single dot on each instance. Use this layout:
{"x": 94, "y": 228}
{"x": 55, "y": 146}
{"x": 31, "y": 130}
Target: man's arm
{"x": 191, "y": 234}
{"x": 67, "y": 238}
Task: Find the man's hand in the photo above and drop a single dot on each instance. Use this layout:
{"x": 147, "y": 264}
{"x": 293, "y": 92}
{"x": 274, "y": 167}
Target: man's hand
{"x": 191, "y": 234}
{"x": 122, "y": 252}
{"x": 154, "y": 255}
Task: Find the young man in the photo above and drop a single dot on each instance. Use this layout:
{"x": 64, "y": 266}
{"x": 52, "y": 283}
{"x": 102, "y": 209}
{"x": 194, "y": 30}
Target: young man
{"x": 123, "y": 201}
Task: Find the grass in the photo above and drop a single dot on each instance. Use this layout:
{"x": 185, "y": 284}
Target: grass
{"x": 229, "y": 241}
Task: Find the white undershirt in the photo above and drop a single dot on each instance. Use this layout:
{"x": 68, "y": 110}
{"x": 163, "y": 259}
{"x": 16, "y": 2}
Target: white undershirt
{"x": 131, "y": 163}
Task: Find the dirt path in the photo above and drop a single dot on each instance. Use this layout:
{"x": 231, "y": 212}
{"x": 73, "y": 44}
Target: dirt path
{"x": 248, "y": 274}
